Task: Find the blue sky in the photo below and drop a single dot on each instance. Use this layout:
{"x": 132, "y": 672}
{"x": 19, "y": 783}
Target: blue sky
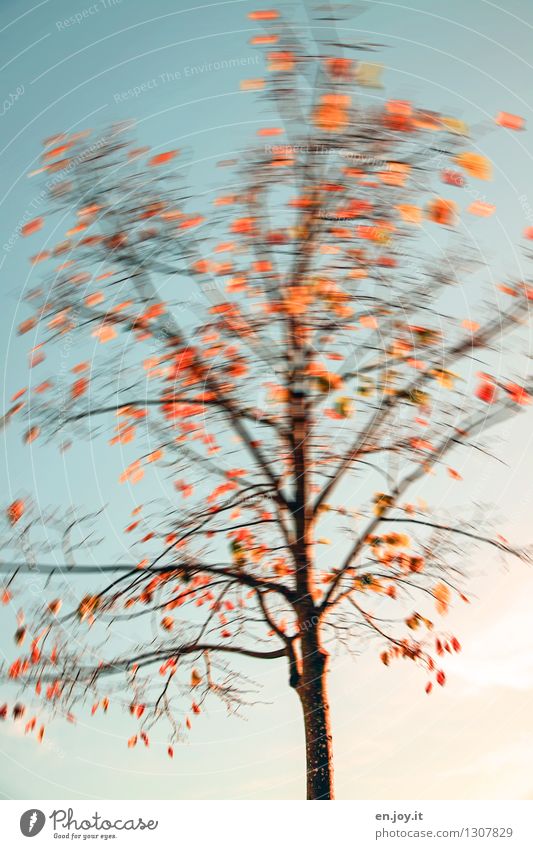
{"x": 391, "y": 741}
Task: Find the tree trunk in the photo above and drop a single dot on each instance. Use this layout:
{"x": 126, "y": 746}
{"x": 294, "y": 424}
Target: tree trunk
{"x": 312, "y": 690}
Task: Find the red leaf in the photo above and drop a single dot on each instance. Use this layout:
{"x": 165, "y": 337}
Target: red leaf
{"x": 486, "y": 392}
{"x": 79, "y": 387}
{"x": 15, "y": 512}
{"x": 32, "y": 226}
{"x": 518, "y": 394}
{"x": 161, "y": 158}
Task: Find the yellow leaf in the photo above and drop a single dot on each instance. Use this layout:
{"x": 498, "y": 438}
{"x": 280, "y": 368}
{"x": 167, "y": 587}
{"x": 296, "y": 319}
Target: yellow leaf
{"x": 368, "y": 74}
{"x": 455, "y": 125}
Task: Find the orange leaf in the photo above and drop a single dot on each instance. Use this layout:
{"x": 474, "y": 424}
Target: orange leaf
{"x": 331, "y": 115}
{"x": 154, "y": 456}
{"x": 104, "y": 333}
{"x": 79, "y": 387}
{"x": 15, "y": 511}
{"x": 470, "y": 325}
{"x": 442, "y": 211}
{"x": 191, "y": 222}
{"x": 32, "y": 434}
{"x": 40, "y": 257}
{"x": 270, "y": 131}
{"x": 252, "y": 85}
{"x": 518, "y": 394}
{"x": 264, "y": 39}
{"x": 264, "y": 15}
{"x": 475, "y": 164}
{"x": 94, "y": 299}
{"x": 442, "y": 597}
{"x": 161, "y": 158}
{"x": 481, "y": 209}
{"x": 509, "y": 121}
{"x": 32, "y": 226}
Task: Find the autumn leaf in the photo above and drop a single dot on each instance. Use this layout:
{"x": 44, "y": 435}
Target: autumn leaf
{"x": 105, "y": 333}
{"x": 472, "y": 326}
{"x": 15, "y": 511}
{"x": 79, "y": 387}
{"x": 162, "y": 158}
{"x": 88, "y": 606}
{"x": 410, "y": 214}
{"x": 252, "y": 84}
{"x": 511, "y": 122}
{"x": 442, "y": 597}
{"x": 270, "y": 131}
{"x": 196, "y": 678}
{"x": 32, "y": 226}
{"x": 331, "y": 115}
{"x": 487, "y": 392}
{"x": 31, "y": 434}
{"x": 475, "y": 164}
{"x": 382, "y": 502}
{"x": 481, "y": 209}
{"x": 442, "y": 211}
{"x": 518, "y": 394}
{"x": 264, "y": 15}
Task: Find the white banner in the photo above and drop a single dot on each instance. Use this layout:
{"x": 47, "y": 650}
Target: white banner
{"x": 254, "y": 825}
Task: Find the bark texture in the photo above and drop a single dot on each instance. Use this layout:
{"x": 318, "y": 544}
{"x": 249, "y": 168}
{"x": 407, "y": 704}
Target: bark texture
{"x": 312, "y": 691}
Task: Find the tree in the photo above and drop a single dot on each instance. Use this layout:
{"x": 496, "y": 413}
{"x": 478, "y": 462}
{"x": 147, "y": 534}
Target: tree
{"x": 305, "y": 339}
